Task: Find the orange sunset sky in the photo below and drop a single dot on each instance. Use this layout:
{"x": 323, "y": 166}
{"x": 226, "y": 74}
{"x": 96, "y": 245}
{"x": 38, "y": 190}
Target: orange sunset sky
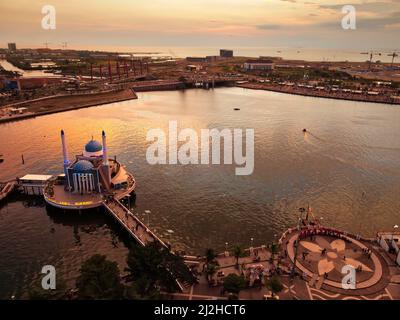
{"x": 152, "y": 23}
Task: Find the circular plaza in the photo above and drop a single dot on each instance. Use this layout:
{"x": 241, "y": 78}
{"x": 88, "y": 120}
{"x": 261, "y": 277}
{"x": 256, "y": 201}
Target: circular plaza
{"x": 336, "y": 261}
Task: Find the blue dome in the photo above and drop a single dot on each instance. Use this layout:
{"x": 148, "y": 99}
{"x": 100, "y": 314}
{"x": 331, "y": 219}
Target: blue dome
{"x": 82, "y": 166}
{"x": 93, "y": 146}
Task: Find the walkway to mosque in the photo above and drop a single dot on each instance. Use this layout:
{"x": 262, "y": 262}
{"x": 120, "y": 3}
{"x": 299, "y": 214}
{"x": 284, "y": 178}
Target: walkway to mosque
{"x": 131, "y": 223}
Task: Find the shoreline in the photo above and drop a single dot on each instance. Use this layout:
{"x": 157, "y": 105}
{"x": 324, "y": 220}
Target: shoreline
{"x": 69, "y": 103}
{"x": 319, "y": 94}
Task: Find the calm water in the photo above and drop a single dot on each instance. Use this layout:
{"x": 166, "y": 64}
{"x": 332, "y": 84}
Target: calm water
{"x": 351, "y": 149}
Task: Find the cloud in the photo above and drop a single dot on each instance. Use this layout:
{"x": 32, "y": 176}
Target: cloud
{"x": 377, "y": 23}
{"x": 373, "y": 7}
{"x": 270, "y": 26}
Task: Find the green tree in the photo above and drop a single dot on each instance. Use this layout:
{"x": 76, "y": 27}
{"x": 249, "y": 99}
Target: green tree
{"x": 211, "y": 270}
{"x": 238, "y": 252}
{"x": 99, "y": 279}
{"x": 210, "y": 255}
{"x": 138, "y": 291}
{"x": 153, "y": 267}
{"x": 274, "y": 250}
{"x": 274, "y": 285}
{"x": 36, "y": 292}
{"x": 234, "y": 283}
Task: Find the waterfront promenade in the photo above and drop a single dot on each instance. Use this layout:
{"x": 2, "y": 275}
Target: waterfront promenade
{"x": 66, "y": 102}
{"x": 322, "y": 93}
{"x": 377, "y": 281}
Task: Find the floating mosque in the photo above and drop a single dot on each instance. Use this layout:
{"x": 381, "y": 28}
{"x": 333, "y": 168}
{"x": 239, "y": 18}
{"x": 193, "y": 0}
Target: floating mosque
{"x": 90, "y": 179}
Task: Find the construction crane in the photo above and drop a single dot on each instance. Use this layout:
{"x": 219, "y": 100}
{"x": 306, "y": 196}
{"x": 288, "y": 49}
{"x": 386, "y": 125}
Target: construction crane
{"x": 393, "y": 55}
{"x": 371, "y": 55}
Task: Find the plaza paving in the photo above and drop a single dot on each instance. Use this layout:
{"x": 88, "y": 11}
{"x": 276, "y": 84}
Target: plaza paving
{"x": 318, "y": 276}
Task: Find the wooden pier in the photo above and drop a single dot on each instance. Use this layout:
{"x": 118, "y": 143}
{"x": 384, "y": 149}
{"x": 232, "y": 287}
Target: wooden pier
{"x": 137, "y": 229}
{"x": 131, "y": 223}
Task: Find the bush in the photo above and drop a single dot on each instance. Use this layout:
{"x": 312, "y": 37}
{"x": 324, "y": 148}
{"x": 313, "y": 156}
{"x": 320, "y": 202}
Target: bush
{"x": 234, "y": 283}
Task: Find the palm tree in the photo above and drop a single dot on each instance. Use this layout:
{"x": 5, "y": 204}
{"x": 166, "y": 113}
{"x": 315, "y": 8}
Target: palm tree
{"x": 210, "y": 255}
{"x": 238, "y": 252}
{"x": 210, "y": 271}
{"x": 274, "y": 250}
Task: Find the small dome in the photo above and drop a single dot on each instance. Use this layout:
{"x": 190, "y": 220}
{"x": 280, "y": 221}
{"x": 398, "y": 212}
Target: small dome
{"x": 93, "y": 146}
{"x": 82, "y": 165}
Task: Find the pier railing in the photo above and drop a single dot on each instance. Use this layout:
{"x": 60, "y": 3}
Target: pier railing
{"x": 132, "y": 223}
{"x": 134, "y": 226}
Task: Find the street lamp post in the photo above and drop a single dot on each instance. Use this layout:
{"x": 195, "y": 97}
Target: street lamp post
{"x": 129, "y": 202}
{"x": 394, "y": 227}
{"x": 148, "y": 217}
{"x": 301, "y": 211}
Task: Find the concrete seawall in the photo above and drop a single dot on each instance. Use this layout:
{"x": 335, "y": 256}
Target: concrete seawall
{"x": 158, "y": 86}
{"x": 71, "y": 102}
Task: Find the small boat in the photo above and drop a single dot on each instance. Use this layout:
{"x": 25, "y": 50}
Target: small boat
{"x": 236, "y": 109}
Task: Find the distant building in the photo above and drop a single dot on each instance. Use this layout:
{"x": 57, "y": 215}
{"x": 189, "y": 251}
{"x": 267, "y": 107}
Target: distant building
{"x": 196, "y": 59}
{"x": 390, "y": 242}
{"x": 211, "y": 59}
{"x": 271, "y": 58}
{"x": 12, "y": 47}
{"x": 192, "y": 67}
{"x": 259, "y": 64}
{"x": 11, "y": 84}
{"x": 224, "y": 53}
